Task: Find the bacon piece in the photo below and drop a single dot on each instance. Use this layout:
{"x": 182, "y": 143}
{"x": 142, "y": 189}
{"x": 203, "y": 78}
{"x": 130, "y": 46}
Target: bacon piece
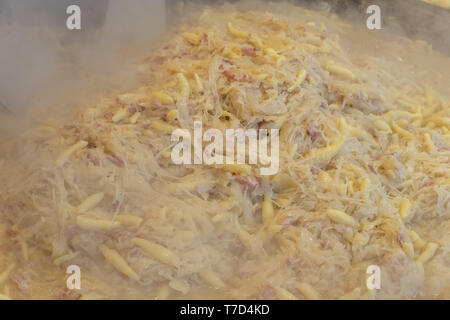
{"x": 115, "y": 204}
{"x": 289, "y": 221}
{"x": 116, "y": 161}
{"x": 91, "y": 158}
{"x": 267, "y": 292}
{"x": 251, "y": 51}
{"x": 228, "y": 61}
{"x": 247, "y": 78}
{"x": 108, "y": 115}
{"x": 251, "y": 185}
{"x": 180, "y": 55}
{"x": 21, "y": 282}
{"x": 399, "y": 238}
{"x": 157, "y": 105}
{"x": 230, "y": 75}
{"x": 313, "y": 131}
{"x": 427, "y": 184}
{"x": 290, "y": 261}
{"x": 246, "y": 182}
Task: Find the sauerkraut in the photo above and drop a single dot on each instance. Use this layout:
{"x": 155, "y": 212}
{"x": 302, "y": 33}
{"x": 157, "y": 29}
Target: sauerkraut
{"x": 364, "y": 175}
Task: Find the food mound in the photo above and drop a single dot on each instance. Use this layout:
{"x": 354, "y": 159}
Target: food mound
{"x": 363, "y": 177}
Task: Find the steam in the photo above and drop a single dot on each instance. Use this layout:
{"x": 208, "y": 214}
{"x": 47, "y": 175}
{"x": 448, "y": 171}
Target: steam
{"x": 43, "y": 63}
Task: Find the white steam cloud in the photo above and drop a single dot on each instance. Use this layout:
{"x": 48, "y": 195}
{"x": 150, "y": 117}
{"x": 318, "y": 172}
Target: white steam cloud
{"x": 40, "y": 60}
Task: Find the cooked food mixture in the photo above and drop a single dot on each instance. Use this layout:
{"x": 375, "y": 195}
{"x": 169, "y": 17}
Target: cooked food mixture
{"x": 363, "y": 180}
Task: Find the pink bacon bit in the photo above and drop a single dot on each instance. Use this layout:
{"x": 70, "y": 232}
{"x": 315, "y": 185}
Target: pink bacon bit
{"x": 246, "y": 182}
{"x": 21, "y": 282}
{"x": 108, "y": 115}
{"x": 249, "y": 183}
{"x": 180, "y": 55}
{"x": 258, "y": 181}
{"x": 427, "y": 184}
{"x": 313, "y": 131}
{"x": 247, "y": 78}
{"x": 371, "y": 168}
{"x": 395, "y": 155}
{"x": 230, "y": 75}
{"x": 292, "y": 261}
{"x": 267, "y": 292}
{"x": 228, "y": 61}
{"x": 205, "y": 37}
{"x": 251, "y": 51}
{"x": 115, "y": 204}
{"x": 116, "y": 161}
{"x": 289, "y": 221}
{"x": 399, "y": 238}
{"x": 378, "y": 156}
{"x": 156, "y": 105}
{"x": 91, "y": 158}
